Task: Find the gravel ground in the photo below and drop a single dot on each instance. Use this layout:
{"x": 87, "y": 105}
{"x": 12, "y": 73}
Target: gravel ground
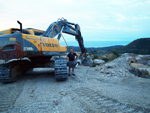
{"x": 109, "y": 88}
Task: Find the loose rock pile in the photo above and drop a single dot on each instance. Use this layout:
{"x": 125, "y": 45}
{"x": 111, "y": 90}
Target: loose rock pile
{"x": 118, "y": 67}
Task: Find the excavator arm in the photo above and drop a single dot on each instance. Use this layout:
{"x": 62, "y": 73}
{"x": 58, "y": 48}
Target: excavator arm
{"x": 66, "y": 27}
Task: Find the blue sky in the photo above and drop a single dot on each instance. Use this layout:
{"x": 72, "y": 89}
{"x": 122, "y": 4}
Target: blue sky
{"x": 100, "y": 20}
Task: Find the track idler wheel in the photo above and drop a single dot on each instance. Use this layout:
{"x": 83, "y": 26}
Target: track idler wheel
{"x": 14, "y": 72}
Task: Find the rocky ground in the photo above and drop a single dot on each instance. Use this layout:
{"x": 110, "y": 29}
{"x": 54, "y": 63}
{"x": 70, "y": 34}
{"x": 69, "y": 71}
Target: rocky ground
{"x": 109, "y": 88}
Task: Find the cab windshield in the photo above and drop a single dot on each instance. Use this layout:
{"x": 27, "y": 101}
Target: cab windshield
{"x": 37, "y": 33}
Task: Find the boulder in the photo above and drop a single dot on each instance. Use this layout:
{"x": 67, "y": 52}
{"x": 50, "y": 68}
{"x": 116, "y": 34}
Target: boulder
{"x": 87, "y": 61}
{"x": 98, "y": 61}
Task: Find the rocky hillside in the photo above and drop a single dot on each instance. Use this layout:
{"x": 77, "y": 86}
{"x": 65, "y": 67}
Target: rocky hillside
{"x": 139, "y": 46}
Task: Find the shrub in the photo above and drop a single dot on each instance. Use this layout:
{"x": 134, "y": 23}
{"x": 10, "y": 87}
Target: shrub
{"x": 146, "y": 72}
{"x": 90, "y": 54}
{"x": 92, "y": 65}
{"x": 105, "y": 59}
{"x": 115, "y": 53}
{"x": 132, "y": 61}
{"x": 112, "y": 56}
{"x": 95, "y": 57}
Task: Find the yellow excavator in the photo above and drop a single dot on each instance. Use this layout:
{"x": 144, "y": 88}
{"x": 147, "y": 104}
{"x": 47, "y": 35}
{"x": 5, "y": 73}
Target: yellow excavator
{"x": 25, "y": 49}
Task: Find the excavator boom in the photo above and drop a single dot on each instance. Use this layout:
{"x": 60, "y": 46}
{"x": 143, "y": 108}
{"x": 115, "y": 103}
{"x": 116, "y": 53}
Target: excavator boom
{"x": 66, "y": 27}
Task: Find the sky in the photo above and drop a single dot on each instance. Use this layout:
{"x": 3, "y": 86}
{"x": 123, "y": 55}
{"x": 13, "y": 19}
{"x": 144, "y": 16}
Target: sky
{"x": 100, "y": 20}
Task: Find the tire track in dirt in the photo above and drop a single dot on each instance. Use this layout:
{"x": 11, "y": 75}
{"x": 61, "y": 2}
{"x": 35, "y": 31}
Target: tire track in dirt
{"x": 8, "y": 97}
{"x": 100, "y": 103}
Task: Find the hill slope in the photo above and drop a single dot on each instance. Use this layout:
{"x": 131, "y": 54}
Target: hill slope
{"x": 139, "y": 46}
{"x": 77, "y": 49}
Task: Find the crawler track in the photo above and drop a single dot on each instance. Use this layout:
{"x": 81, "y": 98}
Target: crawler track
{"x": 61, "y": 69}
{"x": 9, "y": 72}
{"x": 5, "y": 75}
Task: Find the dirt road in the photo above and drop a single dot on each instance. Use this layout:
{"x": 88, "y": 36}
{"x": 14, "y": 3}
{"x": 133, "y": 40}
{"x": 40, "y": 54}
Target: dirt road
{"x": 90, "y": 91}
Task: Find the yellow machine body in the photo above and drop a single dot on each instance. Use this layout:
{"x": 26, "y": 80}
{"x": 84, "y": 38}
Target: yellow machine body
{"x": 28, "y": 44}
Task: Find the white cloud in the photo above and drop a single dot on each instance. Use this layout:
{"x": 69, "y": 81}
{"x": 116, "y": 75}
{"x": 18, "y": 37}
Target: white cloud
{"x": 122, "y": 2}
{"x": 148, "y": 1}
{"x": 120, "y": 17}
{"x": 140, "y": 18}
{"x": 135, "y": 26}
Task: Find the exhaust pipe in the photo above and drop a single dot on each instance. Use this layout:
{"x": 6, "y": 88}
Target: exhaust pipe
{"x": 20, "y": 25}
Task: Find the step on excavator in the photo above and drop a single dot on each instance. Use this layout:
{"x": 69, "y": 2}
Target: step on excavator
{"x": 25, "y": 49}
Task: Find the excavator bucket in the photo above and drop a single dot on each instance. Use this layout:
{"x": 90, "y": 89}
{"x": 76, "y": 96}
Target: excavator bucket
{"x": 85, "y": 60}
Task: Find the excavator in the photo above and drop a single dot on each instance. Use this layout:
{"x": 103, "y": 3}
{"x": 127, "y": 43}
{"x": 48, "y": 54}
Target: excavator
{"x": 25, "y": 49}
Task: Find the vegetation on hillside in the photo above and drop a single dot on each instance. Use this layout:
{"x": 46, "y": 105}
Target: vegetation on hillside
{"x": 139, "y": 46}
{"x": 99, "y": 50}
